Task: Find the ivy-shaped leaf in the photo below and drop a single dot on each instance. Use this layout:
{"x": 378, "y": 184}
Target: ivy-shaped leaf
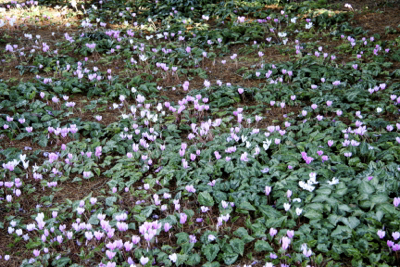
{"x": 210, "y": 251}
{"x": 237, "y": 245}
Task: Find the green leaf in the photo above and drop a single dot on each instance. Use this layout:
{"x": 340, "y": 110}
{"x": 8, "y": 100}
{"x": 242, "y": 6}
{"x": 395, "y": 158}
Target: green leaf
{"x": 210, "y": 251}
{"x": 276, "y": 223}
{"x": 211, "y": 264}
{"x": 245, "y": 205}
{"x": 193, "y": 259}
{"x": 240, "y": 232}
{"x": 237, "y": 245}
{"x": 205, "y": 199}
{"x": 262, "y": 245}
{"x": 187, "y": 247}
{"x": 313, "y": 215}
{"x": 110, "y": 201}
{"x": 139, "y": 218}
{"x": 341, "y": 232}
{"x": 181, "y": 259}
{"x": 32, "y": 244}
{"x": 229, "y": 258}
{"x": 61, "y": 261}
{"x": 379, "y": 198}
{"x": 353, "y": 222}
{"x": 147, "y": 211}
{"x": 269, "y": 211}
{"x": 182, "y": 238}
{"x": 93, "y": 219}
{"x": 366, "y": 188}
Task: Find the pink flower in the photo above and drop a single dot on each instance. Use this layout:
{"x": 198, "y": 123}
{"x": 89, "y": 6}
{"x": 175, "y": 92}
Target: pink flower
{"x": 273, "y": 232}
{"x": 268, "y": 190}
{"x": 381, "y": 234}
{"x": 285, "y": 242}
{"x": 290, "y": 233}
{"x": 396, "y": 201}
{"x": 144, "y": 260}
{"x": 190, "y": 189}
{"x": 183, "y": 218}
{"x": 167, "y": 227}
{"x": 211, "y": 237}
{"x": 396, "y": 235}
{"x": 185, "y": 85}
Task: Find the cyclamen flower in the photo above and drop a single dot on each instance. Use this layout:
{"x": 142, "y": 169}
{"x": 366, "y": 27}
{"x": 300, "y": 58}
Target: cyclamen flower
{"x": 190, "y": 189}
{"x": 173, "y": 257}
{"x": 396, "y": 235}
{"x": 183, "y": 218}
{"x": 285, "y": 242}
{"x": 290, "y": 233}
{"x": 211, "y": 237}
{"x": 144, "y": 260}
{"x": 273, "y": 232}
{"x": 241, "y": 19}
{"x": 299, "y": 211}
{"x": 286, "y": 206}
{"x": 396, "y": 201}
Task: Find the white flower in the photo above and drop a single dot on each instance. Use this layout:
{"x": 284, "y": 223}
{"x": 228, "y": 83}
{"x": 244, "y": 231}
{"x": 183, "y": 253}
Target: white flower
{"x": 22, "y": 157}
{"x": 379, "y": 110}
{"x": 334, "y": 181}
{"x": 313, "y": 177}
{"x": 286, "y": 206}
{"x": 25, "y": 164}
{"x": 306, "y": 186}
{"x": 299, "y": 211}
{"x": 348, "y": 6}
{"x": 282, "y": 34}
{"x": 143, "y": 57}
{"x": 173, "y": 257}
{"x": 309, "y": 25}
{"x": 293, "y": 20}
{"x": 266, "y": 144}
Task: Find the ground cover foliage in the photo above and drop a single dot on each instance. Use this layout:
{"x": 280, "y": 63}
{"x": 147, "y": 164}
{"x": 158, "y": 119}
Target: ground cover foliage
{"x": 199, "y": 133}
